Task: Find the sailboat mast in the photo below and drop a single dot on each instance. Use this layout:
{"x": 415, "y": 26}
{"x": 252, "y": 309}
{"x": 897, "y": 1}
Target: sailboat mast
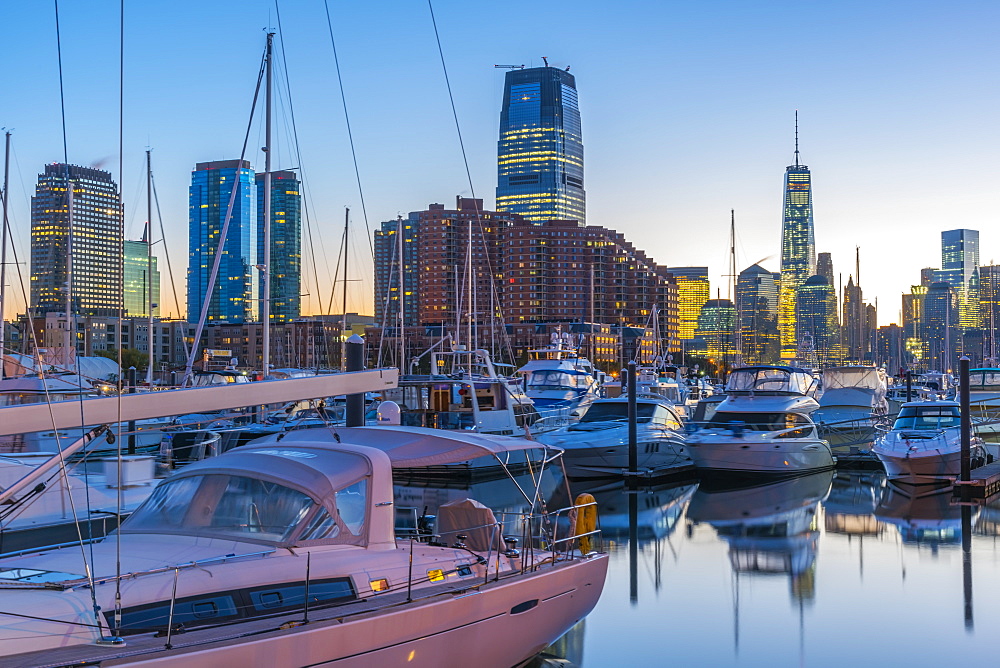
{"x": 68, "y": 338}
{"x": 3, "y": 244}
{"x": 343, "y": 309}
{"x": 150, "y": 336}
{"x": 265, "y": 315}
{"x": 399, "y": 256}
{"x": 470, "y": 288}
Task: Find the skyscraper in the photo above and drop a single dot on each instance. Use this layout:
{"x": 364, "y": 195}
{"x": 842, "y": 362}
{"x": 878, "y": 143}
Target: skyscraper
{"x": 212, "y": 185}
{"x": 391, "y": 237}
{"x": 798, "y": 247}
{"x": 940, "y": 314}
{"x": 715, "y": 336}
{"x": 757, "y": 315}
{"x": 989, "y": 311}
{"x": 960, "y": 270}
{"x": 96, "y": 242}
{"x": 693, "y": 290}
{"x": 286, "y": 244}
{"x": 818, "y": 324}
{"x": 540, "y": 150}
{"x": 142, "y": 286}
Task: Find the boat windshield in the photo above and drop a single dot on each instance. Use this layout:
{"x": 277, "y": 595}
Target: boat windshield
{"x": 770, "y": 379}
{"x": 928, "y": 417}
{"x": 618, "y": 411}
{"x": 243, "y": 508}
{"x": 556, "y": 380}
{"x": 759, "y": 421}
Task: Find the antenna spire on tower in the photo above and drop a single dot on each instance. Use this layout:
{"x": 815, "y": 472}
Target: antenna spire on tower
{"x": 796, "y": 137}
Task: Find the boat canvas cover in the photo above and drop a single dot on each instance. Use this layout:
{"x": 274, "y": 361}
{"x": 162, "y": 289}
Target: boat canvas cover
{"x": 770, "y": 379}
{"x": 411, "y": 447}
{"x": 95, "y": 368}
{"x": 853, "y": 386}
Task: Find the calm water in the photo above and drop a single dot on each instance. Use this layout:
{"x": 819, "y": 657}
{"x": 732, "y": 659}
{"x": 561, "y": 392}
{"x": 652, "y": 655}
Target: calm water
{"x": 823, "y": 570}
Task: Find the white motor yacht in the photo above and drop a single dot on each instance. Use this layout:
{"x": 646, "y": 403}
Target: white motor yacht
{"x": 597, "y": 445}
{"x": 285, "y": 553}
{"x": 763, "y": 426}
{"x": 557, "y": 377}
{"x": 924, "y": 445}
{"x": 852, "y": 405}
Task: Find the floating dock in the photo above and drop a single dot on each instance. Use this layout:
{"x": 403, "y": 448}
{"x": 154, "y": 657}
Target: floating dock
{"x": 984, "y": 483}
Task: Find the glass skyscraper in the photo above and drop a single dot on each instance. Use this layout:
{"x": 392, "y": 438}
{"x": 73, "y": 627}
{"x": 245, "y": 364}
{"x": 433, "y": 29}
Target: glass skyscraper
{"x": 141, "y": 284}
{"x": 757, "y": 315}
{"x": 960, "y": 270}
{"x": 540, "y": 151}
{"x": 286, "y": 244}
{"x": 96, "y": 242}
{"x": 693, "y": 290}
{"x": 798, "y": 248}
{"x": 212, "y": 185}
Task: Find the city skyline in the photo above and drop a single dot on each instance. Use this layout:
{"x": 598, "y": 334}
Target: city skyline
{"x": 646, "y": 181}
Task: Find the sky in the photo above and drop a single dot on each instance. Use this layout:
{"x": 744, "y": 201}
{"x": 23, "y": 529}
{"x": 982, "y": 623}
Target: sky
{"x": 687, "y": 111}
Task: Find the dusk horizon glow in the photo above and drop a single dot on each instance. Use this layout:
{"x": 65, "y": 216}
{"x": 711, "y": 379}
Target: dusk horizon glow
{"x": 687, "y": 113}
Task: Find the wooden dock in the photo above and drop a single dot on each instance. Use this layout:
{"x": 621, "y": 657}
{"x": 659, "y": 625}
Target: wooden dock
{"x": 984, "y": 483}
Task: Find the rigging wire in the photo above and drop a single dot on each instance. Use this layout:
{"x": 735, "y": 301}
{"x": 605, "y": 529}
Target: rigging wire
{"x": 350, "y": 135}
{"x": 121, "y": 312}
{"x": 200, "y": 328}
{"x": 472, "y": 190}
{"x": 306, "y": 208}
{"x": 70, "y": 331}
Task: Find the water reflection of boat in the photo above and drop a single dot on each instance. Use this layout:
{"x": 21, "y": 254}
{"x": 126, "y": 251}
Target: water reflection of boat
{"x": 659, "y": 508}
{"x": 849, "y": 508}
{"x": 928, "y": 519}
{"x": 770, "y": 529}
{"x": 567, "y": 652}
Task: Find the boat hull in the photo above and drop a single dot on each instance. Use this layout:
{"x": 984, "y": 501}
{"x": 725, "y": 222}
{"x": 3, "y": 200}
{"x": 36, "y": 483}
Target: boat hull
{"x": 924, "y": 467}
{"x": 497, "y": 624}
{"x": 777, "y": 457}
{"x": 601, "y": 461}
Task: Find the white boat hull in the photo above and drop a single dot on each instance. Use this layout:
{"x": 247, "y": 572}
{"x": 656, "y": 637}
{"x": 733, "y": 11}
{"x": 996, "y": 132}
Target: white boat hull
{"x": 770, "y": 456}
{"x": 923, "y": 467}
{"x": 499, "y": 624}
{"x": 597, "y": 460}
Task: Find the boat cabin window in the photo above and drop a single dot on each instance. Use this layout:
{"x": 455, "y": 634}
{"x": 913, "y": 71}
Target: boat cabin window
{"x": 237, "y": 507}
{"x": 927, "y": 417}
{"x": 555, "y": 380}
{"x": 762, "y": 421}
{"x": 618, "y": 411}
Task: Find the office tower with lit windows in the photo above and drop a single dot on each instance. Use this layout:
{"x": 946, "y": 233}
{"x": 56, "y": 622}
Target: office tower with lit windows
{"x": 540, "y": 150}
{"x": 286, "y": 244}
{"x": 693, "y": 290}
{"x": 960, "y": 270}
{"x": 757, "y": 315}
{"x": 818, "y": 323}
{"x": 941, "y": 312}
{"x": 798, "y": 248}
{"x": 212, "y": 186}
{"x": 395, "y": 239}
{"x": 142, "y": 280}
{"x": 989, "y": 312}
{"x": 715, "y": 336}
{"x": 94, "y": 241}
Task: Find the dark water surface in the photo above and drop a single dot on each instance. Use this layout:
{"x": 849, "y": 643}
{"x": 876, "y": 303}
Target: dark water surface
{"x": 824, "y": 570}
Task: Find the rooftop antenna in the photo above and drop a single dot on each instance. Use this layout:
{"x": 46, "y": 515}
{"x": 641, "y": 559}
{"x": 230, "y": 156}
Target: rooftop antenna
{"x": 545, "y": 60}
{"x": 796, "y": 137}
{"x": 857, "y": 264}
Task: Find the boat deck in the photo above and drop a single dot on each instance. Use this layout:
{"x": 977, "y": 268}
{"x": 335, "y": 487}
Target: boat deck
{"x": 147, "y": 645}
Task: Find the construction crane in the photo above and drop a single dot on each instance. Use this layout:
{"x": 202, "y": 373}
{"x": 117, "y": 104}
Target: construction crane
{"x": 510, "y": 67}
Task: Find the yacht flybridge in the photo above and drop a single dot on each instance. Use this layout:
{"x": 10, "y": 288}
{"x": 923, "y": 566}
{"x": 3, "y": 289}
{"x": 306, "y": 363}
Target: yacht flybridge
{"x": 557, "y": 377}
{"x": 763, "y": 426}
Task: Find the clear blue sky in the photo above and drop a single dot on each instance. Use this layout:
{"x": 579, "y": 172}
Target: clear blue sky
{"x": 687, "y": 112}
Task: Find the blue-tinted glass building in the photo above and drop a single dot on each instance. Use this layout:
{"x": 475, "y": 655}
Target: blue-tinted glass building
{"x": 286, "y": 244}
{"x": 212, "y": 185}
{"x": 960, "y": 270}
{"x": 540, "y": 151}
